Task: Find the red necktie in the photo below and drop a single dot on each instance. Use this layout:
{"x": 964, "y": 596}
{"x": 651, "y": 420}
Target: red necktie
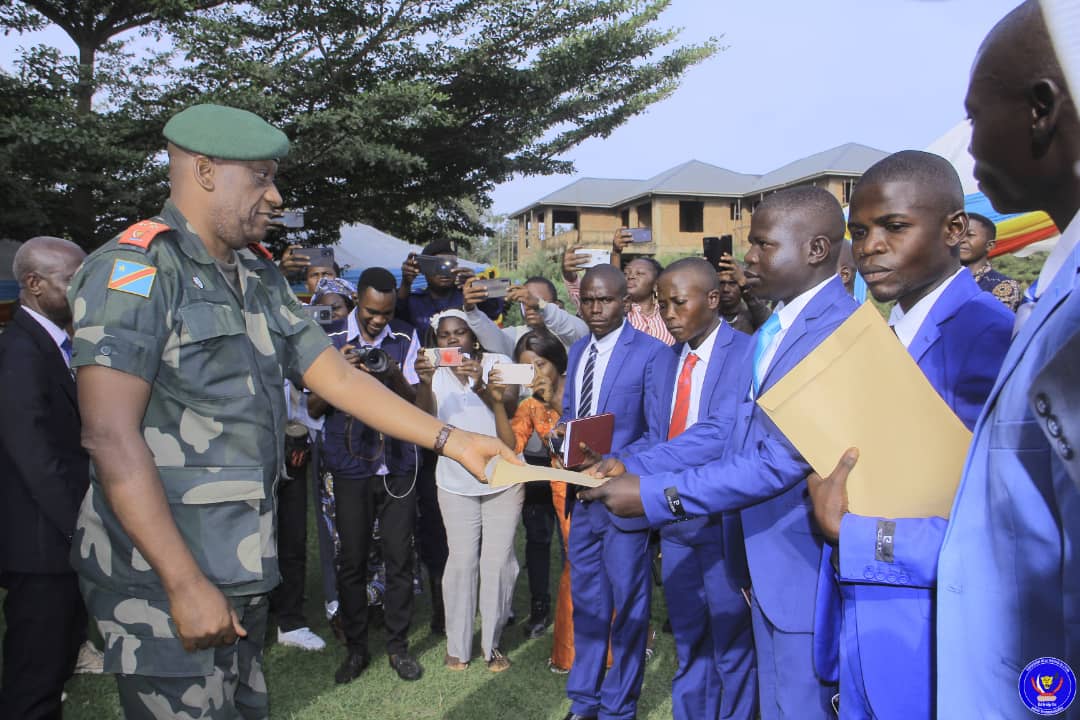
{"x": 682, "y": 397}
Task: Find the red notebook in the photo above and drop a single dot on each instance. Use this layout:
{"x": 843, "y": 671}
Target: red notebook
{"x": 595, "y": 431}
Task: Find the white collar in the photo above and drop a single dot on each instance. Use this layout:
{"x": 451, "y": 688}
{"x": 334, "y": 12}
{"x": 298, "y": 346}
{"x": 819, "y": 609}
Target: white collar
{"x": 57, "y": 333}
{"x": 608, "y": 341}
{"x": 1070, "y": 236}
{"x": 704, "y": 350}
{"x": 788, "y": 312}
{"x": 353, "y": 329}
{"x": 906, "y": 324}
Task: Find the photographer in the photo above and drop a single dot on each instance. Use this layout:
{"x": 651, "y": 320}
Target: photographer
{"x": 443, "y": 287}
{"x": 374, "y": 477}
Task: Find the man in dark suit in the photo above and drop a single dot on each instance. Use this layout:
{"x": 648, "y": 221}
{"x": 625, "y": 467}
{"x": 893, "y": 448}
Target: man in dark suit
{"x": 43, "y": 477}
{"x": 795, "y": 239}
{"x": 906, "y": 222}
{"x": 609, "y": 372}
{"x": 704, "y": 564}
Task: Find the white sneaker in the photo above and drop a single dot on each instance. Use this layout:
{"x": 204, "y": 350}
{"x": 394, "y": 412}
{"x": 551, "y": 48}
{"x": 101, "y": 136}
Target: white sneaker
{"x": 301, "y": 638}
{"x": 91, "y": 661}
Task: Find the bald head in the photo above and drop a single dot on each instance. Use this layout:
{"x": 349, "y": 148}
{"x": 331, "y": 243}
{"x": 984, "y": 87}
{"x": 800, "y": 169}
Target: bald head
{"x": 1025, "y": 132}
{"x": 610, "y": 274}
{"x": 939, "y": 185}
{"x": 43, "y": 267}
{"x": 699, "y": 270}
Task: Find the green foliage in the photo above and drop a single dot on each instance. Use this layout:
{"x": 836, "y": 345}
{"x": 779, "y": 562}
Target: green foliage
{"x": 1022, "y": 269}
{"x": 404, "y": 115}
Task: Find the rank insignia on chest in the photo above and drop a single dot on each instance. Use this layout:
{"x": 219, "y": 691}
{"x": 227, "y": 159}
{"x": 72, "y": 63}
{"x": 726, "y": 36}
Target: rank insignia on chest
{"x": 132, "y": 277}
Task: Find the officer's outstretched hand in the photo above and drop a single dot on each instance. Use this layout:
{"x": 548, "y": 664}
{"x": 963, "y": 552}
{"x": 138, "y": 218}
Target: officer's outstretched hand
{"x": 204, "y": 617}
{"x": 829, "y": 495}
{"x": 475, "y": 451}
{"x": 621, "y": 494}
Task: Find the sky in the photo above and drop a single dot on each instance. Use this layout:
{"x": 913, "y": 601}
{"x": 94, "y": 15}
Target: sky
{"x": 797, "y": 77}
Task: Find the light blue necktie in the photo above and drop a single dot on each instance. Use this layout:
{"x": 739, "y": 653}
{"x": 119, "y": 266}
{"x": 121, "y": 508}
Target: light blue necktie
{"x": 65, "y": 346}
{"x": 765, "y": 335}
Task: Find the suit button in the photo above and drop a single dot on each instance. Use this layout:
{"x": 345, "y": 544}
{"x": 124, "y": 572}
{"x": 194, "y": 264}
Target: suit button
{"x": 892, "y": 578}
{"x": 1053, "y": 426}
{"x": 1065, "y": 449}
{"x": 868, "y": 573}
{"x": 880, "y": 577}
{"x": 903, "y": 579}
{"x": 105, "y": 350}
{"x": 1042, "y": 404}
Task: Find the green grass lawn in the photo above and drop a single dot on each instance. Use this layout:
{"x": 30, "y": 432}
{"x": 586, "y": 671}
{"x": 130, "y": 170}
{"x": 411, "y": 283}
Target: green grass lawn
{"x": 302, "y": 684}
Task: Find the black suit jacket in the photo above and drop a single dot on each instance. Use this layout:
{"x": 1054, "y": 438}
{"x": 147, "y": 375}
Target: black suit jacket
{"x": 44, "y": 471}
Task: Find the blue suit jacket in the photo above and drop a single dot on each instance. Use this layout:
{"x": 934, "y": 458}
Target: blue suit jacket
{"x": 888, "y": 605}
{"x": 1007, "y": 574}
{"x": 702, "y": 442}
{"x": 763, "y": 477}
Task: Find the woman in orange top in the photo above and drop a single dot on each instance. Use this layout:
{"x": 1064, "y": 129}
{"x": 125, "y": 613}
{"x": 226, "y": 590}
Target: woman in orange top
{"x": 540, "y": 414}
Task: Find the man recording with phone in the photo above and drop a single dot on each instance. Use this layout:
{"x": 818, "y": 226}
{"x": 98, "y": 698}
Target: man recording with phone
{"x": 374, "y": 477}
{"x": 444, "y": 283}
{"x": 738, "y": 306}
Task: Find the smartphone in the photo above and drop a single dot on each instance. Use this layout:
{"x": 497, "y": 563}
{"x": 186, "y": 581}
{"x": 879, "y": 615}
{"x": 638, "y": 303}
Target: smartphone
{"x": 322, "y": 314}
{"x": 516, "y": 373}
{"x": 446, "y": 357}
{"x": 291, "y": 219}
{"x": 640, "y": 235}
{"x": 596, "y": 257}
{"x": 317, "y": 256}
{"x": 496, "y": 287}
{"x": 716, "y": 247}
{"x": 439, "y": 265}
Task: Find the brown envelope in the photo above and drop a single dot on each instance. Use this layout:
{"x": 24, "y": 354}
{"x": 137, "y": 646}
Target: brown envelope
{"x": 860, "y": 388}
{"x": 504, "y": 474}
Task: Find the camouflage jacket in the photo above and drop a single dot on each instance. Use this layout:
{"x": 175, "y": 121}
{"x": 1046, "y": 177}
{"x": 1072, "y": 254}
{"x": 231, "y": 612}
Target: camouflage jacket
{"x": 163, "y": 311}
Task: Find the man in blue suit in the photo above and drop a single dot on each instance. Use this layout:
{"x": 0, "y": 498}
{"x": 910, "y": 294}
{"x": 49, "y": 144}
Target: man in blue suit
{"x": 906, "y": 221}
{"x": 1006, "y": 575}
{"x": 704, "y": 564}
{"x": 608, "y": 372}
{"x": 795, "y": 238}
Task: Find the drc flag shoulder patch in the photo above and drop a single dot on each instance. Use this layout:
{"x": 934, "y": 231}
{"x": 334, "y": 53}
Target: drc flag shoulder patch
{"x": 132, "y": 277}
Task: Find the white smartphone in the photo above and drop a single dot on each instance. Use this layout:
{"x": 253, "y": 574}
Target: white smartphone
{"x": 596, "y": 257}
{"x": 516, "y": 373}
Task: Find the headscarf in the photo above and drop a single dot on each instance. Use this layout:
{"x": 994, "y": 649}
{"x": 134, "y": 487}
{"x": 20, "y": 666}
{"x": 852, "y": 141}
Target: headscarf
{"x": 334, "y": 286}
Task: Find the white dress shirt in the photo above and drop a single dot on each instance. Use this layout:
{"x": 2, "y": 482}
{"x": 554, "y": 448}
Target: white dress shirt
{"x": 906, "y": 324}
{"x": 787, "y": 314}
{"x": 57, "y": 333}
{"x": 604, "y": 347}
{"x": 1070, "y": 236}
{"x": 697, "y": 375}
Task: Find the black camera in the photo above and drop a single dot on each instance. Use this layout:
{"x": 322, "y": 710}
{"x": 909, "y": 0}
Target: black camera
{"x": 374, "y": 359}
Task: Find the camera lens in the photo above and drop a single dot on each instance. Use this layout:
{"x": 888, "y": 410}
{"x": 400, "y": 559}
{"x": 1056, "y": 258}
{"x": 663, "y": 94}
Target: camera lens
{"x": 376, "y": 360}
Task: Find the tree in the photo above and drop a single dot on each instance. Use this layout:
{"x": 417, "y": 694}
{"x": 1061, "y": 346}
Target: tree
{"x": 404, "y": 113}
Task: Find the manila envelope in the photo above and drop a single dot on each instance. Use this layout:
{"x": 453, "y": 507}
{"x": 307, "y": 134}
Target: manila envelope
{"x": 500, "y": 473}
{"x": 860, "y": 388}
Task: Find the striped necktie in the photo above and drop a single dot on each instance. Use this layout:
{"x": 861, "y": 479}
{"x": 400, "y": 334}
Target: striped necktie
{"x": 585, "y": 404}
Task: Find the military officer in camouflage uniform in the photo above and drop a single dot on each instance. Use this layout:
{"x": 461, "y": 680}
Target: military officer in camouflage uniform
{"x": 184, "y": 334}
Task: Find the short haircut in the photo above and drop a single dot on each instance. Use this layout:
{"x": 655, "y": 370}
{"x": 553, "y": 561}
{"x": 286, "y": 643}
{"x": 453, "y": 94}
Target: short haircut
{"x": 816, "y": 205}
{"x": 377, "y": 278}
{"x": 544, "y": 344}
{"x": 441, "y": 246}
{"x": 38, "y": 254}
{"x": 540, "y": 279}
{"x": 606, "y": 271}
{"x": 656, "y": 266}
{"x": 700, "y": 267}
{"x": 934, "y": 175}
{"x": 991, "y": 228}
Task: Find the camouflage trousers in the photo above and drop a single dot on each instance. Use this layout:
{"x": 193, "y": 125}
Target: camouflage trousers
{"x": 158, "y": 680}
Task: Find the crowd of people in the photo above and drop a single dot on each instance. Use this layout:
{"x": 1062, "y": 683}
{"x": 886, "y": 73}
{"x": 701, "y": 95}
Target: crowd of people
{"x": 181, "y": 413}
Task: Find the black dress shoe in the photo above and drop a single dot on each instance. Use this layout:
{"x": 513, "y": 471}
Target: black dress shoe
{"x": 355, "y": 663}
{"x": 538, "y": 621}
{"x": 406, "y": 666}
{"x": 574, "y": 716}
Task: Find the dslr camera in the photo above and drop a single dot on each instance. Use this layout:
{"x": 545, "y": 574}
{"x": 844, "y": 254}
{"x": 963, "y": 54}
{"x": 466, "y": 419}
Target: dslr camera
{"x": 374, "y": 359}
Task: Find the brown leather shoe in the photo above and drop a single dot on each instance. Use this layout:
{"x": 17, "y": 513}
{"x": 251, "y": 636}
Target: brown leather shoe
{"x": 452, "y": 663}
{"x": 498, "y": 662}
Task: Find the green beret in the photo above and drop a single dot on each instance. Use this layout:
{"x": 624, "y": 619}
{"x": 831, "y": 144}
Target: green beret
{"x": 227, "y": 133}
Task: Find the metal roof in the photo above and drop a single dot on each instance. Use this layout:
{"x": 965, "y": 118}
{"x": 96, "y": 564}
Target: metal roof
{"x": 698, "y": 178}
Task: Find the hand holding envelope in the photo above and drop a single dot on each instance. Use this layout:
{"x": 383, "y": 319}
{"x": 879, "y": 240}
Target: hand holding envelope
{"x": 860, "y": 388}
